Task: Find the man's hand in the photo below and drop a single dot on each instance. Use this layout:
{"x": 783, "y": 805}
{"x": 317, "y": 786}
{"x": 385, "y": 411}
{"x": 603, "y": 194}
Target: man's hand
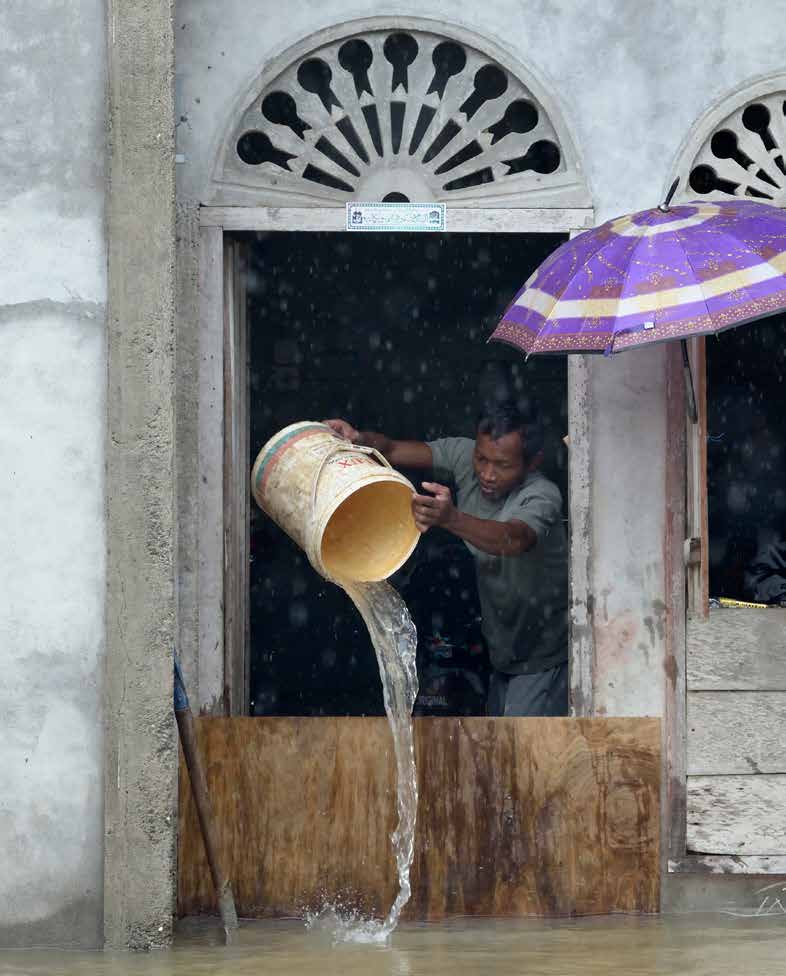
{"x": 401, "y": 454}
{"x": 343, "y": 429}
{"x": 496, "y": 538}
{"x": 437, "y": 508}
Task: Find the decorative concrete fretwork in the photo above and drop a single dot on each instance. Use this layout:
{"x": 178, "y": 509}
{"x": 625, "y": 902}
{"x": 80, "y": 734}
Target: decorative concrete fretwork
{"x": 744, "y": 155}
{"x": 398, "y": 115}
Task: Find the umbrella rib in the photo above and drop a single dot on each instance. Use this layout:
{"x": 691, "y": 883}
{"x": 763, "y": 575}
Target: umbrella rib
{"x": 678, "y": 235}
{"x": 693, "y": 411}
{"x": 557, "y": 298}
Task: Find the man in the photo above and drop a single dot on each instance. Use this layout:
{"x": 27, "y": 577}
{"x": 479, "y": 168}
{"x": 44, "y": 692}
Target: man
{"x": 510, "y": 517}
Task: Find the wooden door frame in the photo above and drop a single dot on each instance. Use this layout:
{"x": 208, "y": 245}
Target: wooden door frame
{"x": 223, "y": 487}
{"x": 689, "y": 592}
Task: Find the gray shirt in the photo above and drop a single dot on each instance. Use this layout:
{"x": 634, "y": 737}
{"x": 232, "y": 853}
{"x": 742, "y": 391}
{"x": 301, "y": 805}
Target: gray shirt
{"x": 523, "y": 599}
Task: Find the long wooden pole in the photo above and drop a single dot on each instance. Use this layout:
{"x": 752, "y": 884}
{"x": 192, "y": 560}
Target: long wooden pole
{"x": 196, "y": 773}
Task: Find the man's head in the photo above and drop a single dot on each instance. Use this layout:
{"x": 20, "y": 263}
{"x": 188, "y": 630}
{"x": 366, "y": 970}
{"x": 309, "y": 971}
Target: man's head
{"x": 508, "y": 445}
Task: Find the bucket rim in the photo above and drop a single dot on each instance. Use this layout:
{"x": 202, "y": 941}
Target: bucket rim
{"x": 315, "y": 530}
{"x": 271, "y": 446}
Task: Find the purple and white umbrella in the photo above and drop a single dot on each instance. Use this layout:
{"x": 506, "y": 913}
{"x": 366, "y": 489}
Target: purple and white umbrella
{"x": 667, "y": 273}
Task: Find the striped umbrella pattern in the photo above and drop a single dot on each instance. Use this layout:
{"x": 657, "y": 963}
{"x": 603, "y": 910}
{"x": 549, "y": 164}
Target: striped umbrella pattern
{"x": 666, "y": 273}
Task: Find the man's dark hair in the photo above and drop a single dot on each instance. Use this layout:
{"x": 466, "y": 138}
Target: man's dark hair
{"x": 505, "y": 417}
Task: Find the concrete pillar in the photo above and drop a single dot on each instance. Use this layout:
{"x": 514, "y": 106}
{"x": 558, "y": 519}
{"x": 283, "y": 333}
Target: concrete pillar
{"x": 141, "y": 745}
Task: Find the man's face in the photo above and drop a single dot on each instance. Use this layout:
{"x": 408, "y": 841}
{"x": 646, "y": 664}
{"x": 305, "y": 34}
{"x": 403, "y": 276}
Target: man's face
{"x": 499, "y": 464}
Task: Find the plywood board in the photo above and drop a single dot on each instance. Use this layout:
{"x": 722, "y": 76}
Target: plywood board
{"x": 736, "y": 732}
{"x": 738, "y": 649}
{"x": 516, "y": 816}
{"x": 737, "y": 814}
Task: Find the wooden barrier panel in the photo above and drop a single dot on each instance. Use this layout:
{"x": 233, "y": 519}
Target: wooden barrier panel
{"x": 522, "y": 816}
{"x": 738, "y": 649}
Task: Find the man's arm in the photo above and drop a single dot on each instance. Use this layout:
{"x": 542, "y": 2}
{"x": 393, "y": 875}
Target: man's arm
{"x": 401, "y": 454}
{"x": 496, "y": 538}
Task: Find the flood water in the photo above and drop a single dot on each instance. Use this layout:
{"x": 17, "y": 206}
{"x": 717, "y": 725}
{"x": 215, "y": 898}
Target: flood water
{"x": 714, "y": 945}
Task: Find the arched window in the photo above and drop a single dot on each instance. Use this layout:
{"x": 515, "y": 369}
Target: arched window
{"x": 397, "y": 114}
{"x": 739, "y": 147}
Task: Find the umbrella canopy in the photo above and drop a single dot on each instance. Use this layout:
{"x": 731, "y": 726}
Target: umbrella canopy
{"x": 665, "y": 273}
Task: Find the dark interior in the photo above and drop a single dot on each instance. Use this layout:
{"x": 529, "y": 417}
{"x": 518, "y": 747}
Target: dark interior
{"x": 388, "y": 331}
{"x": 746, "y": 462}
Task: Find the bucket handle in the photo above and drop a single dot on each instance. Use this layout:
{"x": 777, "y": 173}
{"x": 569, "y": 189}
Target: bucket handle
{"x": 337, "y": 449}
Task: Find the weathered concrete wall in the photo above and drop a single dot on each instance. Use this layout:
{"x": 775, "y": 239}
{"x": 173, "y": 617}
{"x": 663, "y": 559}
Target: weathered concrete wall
{"x": 52, "y": 406}
{"x": 141, "y": 741}
{"x": 628, "y": 519}
{"x": 64, "y": 675}
{"x": 631, "y": 79}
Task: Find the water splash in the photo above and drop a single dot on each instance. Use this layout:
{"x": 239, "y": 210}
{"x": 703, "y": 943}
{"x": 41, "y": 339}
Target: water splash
{"x": 395, "y": 643}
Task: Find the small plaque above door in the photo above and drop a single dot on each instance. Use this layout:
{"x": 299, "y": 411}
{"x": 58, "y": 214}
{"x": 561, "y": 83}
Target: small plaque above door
{"x": 396, "y": 216}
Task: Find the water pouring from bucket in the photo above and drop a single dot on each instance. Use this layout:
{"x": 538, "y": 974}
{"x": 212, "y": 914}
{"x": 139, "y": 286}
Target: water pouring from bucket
{"x": 351, "y": 513}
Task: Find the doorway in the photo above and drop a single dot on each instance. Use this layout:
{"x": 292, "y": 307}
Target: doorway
{"x": 388, "y": 331}
{"x": 314, "y": 795}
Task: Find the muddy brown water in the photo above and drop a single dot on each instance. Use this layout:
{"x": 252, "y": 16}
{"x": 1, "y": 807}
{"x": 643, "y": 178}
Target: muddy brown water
{"x": 704, "y": 945}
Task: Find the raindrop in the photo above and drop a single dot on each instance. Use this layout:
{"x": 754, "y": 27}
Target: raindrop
{"x": 329, "y": 657}
{"x": 298, "y": 613}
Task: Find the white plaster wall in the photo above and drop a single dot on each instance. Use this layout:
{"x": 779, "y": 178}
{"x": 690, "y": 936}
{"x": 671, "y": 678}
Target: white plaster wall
{"x": 52, "y": 405}
{"x": 628, "y": 519}
{"x": 631, "y": 78}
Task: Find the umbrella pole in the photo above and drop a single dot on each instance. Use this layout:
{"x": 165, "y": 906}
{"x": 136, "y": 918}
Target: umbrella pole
{"x": 692, "y": 411}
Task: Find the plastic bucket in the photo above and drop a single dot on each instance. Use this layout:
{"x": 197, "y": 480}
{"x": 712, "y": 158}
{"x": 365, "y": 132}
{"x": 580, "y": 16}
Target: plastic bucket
{"x": 342, "y": 503}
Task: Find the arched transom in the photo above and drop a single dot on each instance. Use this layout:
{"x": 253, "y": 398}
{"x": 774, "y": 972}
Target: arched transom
{"x": 744, "y": 154}
{"x": 399, "y": 115}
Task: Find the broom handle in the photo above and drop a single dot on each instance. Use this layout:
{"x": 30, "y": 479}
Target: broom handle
{"x": 196, "y": 774}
